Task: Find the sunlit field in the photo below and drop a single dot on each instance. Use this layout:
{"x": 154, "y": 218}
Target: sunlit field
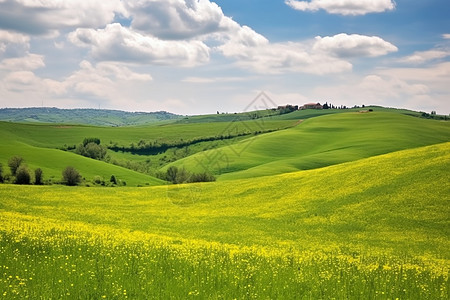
{"x": 376, "y": 228}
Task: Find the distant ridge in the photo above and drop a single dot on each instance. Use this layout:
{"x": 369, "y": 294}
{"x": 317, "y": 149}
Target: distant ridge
{"x": 98, "y": 117}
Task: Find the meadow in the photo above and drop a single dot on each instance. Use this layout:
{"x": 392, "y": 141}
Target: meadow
{"x": 318, "y": 142}
{"x": 40, "y": 145}
{"x": 375, "y": 228}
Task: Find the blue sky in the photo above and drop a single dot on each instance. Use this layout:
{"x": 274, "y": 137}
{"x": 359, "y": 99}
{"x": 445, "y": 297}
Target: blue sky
{"x": 201, "y": 56}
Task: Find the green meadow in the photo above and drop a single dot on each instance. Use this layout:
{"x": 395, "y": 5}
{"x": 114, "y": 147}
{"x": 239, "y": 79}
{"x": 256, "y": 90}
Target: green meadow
{"x": 376, "y": 228}
{"x": 319, "y": 142}
{"x": 314, "y": 204}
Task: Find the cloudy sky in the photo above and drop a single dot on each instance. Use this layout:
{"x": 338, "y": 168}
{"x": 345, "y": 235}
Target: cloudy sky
{"x": 200, "y": 56}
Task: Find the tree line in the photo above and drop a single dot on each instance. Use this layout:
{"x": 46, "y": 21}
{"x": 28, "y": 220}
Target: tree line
{"x": 20, "y": 173}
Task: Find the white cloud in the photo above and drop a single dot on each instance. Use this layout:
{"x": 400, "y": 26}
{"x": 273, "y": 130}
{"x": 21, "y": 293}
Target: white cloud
{"x": 354, "y": 45}
{"x": 118, "y": 43}
{"x": 423, "y": 88}
{"x": 103, "y": 79}
{"x": 343, "y": 7}
{"x": 47, "y": 17}
{"x": 177, "y": 19}
{"x": 13, "y": 44}
{"x": 323, "y": 56}
{"x": 446, "y": 36}
{"x": 420, "y": 57}
{"x": 29, "y": 62}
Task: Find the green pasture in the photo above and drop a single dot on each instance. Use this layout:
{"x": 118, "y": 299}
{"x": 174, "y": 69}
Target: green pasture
{"x": 319, "y": 142}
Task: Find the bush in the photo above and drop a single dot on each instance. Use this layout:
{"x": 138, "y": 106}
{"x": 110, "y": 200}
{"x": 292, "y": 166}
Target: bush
{"x": 71, "y": 176}
{"x": 38, "y": 176}
{"x": 1, "y": 173}
{"x": 176, "y": 176}
{"x": 91, "y": 140}
{"x": 14, "y": 164}
{"x": 202, "y": 177}
{"x": 99, "y": 180}
{"x": 23, "y": 175}
{"x": 91, "y": 150}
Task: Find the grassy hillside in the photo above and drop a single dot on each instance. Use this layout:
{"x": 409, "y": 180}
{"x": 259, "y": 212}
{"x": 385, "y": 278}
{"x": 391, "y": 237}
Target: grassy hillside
{"x": 400, "y": 191}
{"x": 99, "y": 117}
{"x": 53, "y": 162}
{"x": 37, "y": 143}
{"x": 54, "y": 136}
{"x": 375, "y": 228}
{"x": 319, "y": 142}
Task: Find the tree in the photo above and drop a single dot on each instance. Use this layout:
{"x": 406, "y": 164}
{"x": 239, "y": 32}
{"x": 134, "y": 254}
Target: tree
{"x": 171, "y": 174}
{"x": 202, "y": 177}
{"x": 113, "y": 179}
{"x": 1, "y": 173}
{"x": 71, "y": 176}
{"x": 91, "y": 140}
{"x": 14, "y": 163}
{"x": 91, "y": 150}
{"x": 23, "y": 175}
{"x": 38, "y": 176}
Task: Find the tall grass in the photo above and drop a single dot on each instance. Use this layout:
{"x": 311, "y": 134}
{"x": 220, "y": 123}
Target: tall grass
{"x": 377, "y": 228}
{"x": 69, "y": 261}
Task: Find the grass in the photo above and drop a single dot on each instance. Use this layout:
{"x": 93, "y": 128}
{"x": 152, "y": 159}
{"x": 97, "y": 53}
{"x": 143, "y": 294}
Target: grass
{"x": 319, "y": 142}
{"x": 37, "y": 144}
{"x": 375, "y": 228}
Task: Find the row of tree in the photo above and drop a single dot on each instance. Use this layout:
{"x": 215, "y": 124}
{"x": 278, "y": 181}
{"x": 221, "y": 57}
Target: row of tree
{"x": 181, "y": 175}
{"x": 21, "y": 174}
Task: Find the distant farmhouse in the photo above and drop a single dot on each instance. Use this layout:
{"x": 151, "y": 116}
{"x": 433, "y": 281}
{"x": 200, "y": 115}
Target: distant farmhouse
{"x": 312, "y": 106}
{"x": 290, "y": 108}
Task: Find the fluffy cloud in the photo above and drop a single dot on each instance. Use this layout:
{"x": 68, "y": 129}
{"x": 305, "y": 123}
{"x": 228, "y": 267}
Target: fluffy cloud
{"x": 118, "y": 43}
{"x": 13, "y": 44}
{"x": 323, "y": 56}
{"x": 28, "y": 62}
{"x": 343, "y": 7}
{"x": 177, "y": 19}
{"x": 420, "y": 57}
{"x": 47, "y": 17}
{"x": 354, "y": 45}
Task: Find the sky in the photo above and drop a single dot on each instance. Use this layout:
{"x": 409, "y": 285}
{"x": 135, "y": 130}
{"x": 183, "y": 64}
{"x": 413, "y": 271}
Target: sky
{"x": 200, "y": 56}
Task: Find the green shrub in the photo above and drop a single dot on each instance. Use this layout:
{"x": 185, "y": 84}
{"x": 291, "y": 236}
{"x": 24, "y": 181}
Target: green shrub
{"x": 71, "y": 176}
{"x": 14, "y": 164}
{"x": 38, "y": 175}
{"x": 23, "y": 175}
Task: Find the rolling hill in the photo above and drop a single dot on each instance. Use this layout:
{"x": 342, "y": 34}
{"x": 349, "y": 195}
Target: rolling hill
{"x": 397, "y": 202}
{"x": 99, "y": 117}
{"x": 318, "y": 142}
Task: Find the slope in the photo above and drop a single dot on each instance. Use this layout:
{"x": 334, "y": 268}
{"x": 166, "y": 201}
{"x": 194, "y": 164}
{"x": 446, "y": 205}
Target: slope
{"x": 319, "y": 142}
{"x": 53, "y": 162}
{"x": 396, "y": 202}
{"x": 100, "y": 117}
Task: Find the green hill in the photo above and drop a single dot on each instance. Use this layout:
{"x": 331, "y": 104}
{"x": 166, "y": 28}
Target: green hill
{"x": 396, "y": 201}
{"x": 375, "y": 228}
{"x": 39, "y": 144}
{"x": 99, "y": 117}
{"x": 318, "y": 142}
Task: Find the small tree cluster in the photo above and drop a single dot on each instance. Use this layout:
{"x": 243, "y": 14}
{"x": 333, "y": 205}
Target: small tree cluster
{"x": 20, "y": 172}
{"x": 91, "y": 148}
{"x": 23, "y": 175}
{"x": 181, "y": 175}
{"x": 71, "y": 176}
